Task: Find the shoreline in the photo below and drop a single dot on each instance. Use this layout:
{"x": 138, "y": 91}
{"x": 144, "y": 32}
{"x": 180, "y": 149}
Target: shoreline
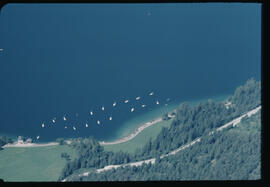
{"x": 121, "y": 140}
{"x": 148, "y": 124}
{"x": 16, "y": 144}
{"x": 134, "y": 134}
{"x": 129, "y": 137}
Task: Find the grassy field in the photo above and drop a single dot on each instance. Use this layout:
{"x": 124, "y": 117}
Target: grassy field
{"x": 140, "y": 140}
{"x": 33, "y": 163}
{"x": 46, "y": 164}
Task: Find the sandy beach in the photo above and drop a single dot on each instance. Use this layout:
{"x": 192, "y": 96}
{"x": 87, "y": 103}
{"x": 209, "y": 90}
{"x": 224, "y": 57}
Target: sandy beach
{"x": 137, "y": 131}
{"x": 122, "y": 140}
{"x": 125, "y": 139}
{"x": 133, "y": 135}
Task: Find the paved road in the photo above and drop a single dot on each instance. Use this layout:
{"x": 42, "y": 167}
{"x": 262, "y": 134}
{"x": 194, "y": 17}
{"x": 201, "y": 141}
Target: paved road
{"x": 152, "y": 160}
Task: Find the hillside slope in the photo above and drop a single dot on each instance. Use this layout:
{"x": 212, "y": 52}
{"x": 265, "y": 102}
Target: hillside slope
{"x": 234, "y": 155}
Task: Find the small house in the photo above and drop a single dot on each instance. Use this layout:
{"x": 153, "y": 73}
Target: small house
{"x": 20, "y": 139}
{"x": 29, "y": 140}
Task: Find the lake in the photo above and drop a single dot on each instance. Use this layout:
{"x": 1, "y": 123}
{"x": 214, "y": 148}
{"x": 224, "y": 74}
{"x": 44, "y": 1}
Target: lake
{"x": 69, "y": 59}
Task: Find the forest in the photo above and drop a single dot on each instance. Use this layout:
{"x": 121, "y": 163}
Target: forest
{"x": 230, "y": 154}
{"x": 233, "y": 154}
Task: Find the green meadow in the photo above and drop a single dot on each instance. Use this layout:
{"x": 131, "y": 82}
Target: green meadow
{"x": 45, "y": 163}
{"x": 33, "y": 163}
{"x": 139, "y": 140}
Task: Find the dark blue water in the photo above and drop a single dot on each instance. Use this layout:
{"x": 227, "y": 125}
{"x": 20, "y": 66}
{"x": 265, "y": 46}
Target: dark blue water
{"x": 68, "y": 59}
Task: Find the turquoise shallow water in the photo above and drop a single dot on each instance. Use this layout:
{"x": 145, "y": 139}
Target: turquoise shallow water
{"x": 132, "y": 124}
{"x": 66, "y": 60}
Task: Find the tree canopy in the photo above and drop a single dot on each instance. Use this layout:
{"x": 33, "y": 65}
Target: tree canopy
{"x": 234, "y": 154}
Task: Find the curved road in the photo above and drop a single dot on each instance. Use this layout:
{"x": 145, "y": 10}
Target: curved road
{"x": 152, "y": 160}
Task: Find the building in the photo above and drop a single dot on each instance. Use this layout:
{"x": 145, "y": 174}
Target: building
{"x": 20, "y": 139}
{"x": 29, "y": 140}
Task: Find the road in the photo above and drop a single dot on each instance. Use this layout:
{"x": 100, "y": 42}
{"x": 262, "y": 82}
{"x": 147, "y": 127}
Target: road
{"x": 152, "y": 160}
